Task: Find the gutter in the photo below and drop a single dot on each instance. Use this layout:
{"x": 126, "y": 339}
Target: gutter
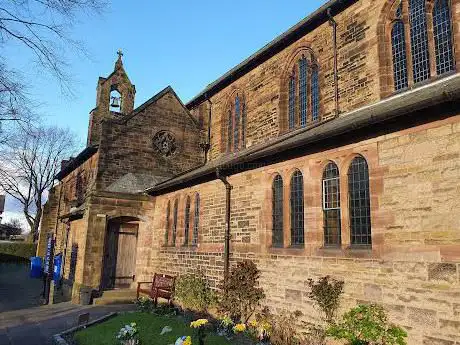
{"x": 228, "y": 188}
{"x": 419, "y": 98}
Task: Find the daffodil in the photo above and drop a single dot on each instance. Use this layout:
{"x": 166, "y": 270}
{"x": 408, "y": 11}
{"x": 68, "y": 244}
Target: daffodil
{"x": 239, "y": 328}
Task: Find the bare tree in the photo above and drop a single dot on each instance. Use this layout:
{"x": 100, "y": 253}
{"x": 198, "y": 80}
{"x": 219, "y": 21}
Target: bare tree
{"x": 42, "y": 28}
{"x": 28, "y": 166}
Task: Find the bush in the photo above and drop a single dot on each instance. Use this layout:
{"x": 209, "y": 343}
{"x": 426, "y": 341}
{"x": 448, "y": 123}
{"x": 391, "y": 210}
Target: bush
{"x": 326, "y": 293}
{"x": 144, "y": 304}
{"x": 20, "y": 250}
{"x": 193, "y": 292}
{"x": 241, "y": 295}
{"x": 368, "y": 324}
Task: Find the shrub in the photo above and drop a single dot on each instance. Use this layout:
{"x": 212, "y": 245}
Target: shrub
{"x": 367, "y": 324}
{"x": 284, "y": 329}
{"x": 20, "y": 250}
{"x": 241, "y": 295}
{"x": 144, "y": 304}
{"x": 326, "y": 293}
{"x": 193, "y": 292}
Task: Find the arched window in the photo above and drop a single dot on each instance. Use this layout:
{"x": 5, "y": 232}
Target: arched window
{"x": 302, "y": 86}
{"x": 196, "y": 223}
{"x": 277, "y": 212}
{"x": 297, "y": 205}
{"x": 168, "y": 210}
{"x": 186, "y": 221}
{"x": 442, "y": 28}
{"x": 331, "y": 205}
{"x": 236, "y": 124}
{"x": 424, "y": 48}
{"x": 315, "y": 94}
{"x": 398, "y": 44}
{"x": 359, "y": 202}
{"x": 174, "y": 230}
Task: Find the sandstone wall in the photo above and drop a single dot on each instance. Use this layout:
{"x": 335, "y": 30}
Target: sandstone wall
{"x": 413, "y": 268}
{"x": 128, "y": 147}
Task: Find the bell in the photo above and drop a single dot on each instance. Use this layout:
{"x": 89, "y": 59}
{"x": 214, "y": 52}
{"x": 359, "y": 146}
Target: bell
{"x": 115, "y": 102}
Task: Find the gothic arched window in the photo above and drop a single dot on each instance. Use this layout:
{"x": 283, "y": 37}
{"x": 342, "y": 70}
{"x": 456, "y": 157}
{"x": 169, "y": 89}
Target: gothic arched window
{"x": 359, "y": 202}
{"x": 301, "y": 92}
{"x": 331, "y": 205}
{"x": 277, "y": 212}
{"x": 168, "y": 210}
{"x": 196, "y": 222}
{"x": 186, "y": 221}
{"x": 398, "y": 44}
{"x": 297, "y": 209}
{"x": 430, "y": 51}
{"x": 174, "y": 229}
{"x": 236, "y": 124}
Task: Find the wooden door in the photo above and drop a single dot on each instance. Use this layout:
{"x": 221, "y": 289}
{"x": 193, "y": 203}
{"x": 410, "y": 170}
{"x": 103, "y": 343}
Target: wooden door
{"x": 120, "y": 255}
{"x": 126, "y": 259}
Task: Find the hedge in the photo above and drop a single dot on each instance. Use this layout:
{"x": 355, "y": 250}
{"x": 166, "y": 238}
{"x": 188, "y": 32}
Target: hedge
{"x": 20, "y": 250}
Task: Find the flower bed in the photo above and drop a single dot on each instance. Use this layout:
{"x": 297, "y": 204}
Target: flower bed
{"x": 149, "y": 328}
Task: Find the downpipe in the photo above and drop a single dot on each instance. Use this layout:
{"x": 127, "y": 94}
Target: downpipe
{"x": 228, "y": 189}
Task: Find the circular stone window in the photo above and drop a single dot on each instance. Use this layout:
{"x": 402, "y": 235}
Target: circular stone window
{"x": 165, "y": 143}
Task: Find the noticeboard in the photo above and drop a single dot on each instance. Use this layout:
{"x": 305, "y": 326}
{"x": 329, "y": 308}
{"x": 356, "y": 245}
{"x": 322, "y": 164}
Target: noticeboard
{"x": 49, "y": 254}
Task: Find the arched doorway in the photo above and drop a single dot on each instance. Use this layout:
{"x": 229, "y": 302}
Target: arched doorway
{"x": 119, "y": 262}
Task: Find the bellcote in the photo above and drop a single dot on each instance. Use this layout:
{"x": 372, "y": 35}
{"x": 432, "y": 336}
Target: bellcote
{"x": 115, "y": 98}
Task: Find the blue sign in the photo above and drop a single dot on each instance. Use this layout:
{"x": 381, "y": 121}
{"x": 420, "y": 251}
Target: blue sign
{"x": 49, "y": 254}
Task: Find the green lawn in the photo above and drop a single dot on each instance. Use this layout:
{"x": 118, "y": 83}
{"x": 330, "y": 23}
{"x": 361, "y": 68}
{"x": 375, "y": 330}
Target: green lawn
{"x": 149, "y": 327}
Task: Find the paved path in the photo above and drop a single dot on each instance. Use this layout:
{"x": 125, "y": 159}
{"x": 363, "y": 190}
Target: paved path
{"x": 17, "y": 290}
{"x": 36, "y": 326}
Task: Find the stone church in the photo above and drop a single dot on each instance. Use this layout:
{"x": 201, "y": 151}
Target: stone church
{"x": 333, "y": 150}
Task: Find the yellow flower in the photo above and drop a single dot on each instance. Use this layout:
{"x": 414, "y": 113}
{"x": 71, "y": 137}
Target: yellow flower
{"x": 187, "y": 341}
{"x": 254, "y": 323}
{"x": 240, "y": 327}
{"x": 198, "y": 323}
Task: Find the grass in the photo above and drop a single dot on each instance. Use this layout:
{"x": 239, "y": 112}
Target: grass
{"x": 149, "y": 327}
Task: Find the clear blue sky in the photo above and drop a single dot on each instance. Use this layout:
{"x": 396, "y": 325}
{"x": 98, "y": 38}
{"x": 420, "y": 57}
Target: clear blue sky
{"x": 185, "y": 44}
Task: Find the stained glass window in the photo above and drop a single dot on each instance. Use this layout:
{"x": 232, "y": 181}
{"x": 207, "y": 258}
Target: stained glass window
{"x": 331, "y": 205}
{"x": 196, "y": 223}
{"x": 442, "y": 30}
{"x": 277, "y": 216}
{"x": 398, "y": 44}
{"x": 174, "y": 230}
{"x": 230, "y": 130}
{"x": 419, "y": 40}
{"x": 168, "y": 209}
{"x": 314, "y": 94}
{"x": 243, "y": 125}
{"x": 303, "y": 97}
{"x": 186, "y": 220}
{"x": 359, "y": 202}
{"x": 236, "y": 132}
{"x": 292, "y": 101}
{"x": 297, "y": 209}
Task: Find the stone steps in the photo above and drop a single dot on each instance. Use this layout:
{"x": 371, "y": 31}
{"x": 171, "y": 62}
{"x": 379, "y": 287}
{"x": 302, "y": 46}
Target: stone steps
{"x": 120, "y": 296}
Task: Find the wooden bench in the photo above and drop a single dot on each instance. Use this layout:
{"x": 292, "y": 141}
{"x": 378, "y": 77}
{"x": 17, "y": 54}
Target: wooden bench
{"x": 162, "y": 286}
